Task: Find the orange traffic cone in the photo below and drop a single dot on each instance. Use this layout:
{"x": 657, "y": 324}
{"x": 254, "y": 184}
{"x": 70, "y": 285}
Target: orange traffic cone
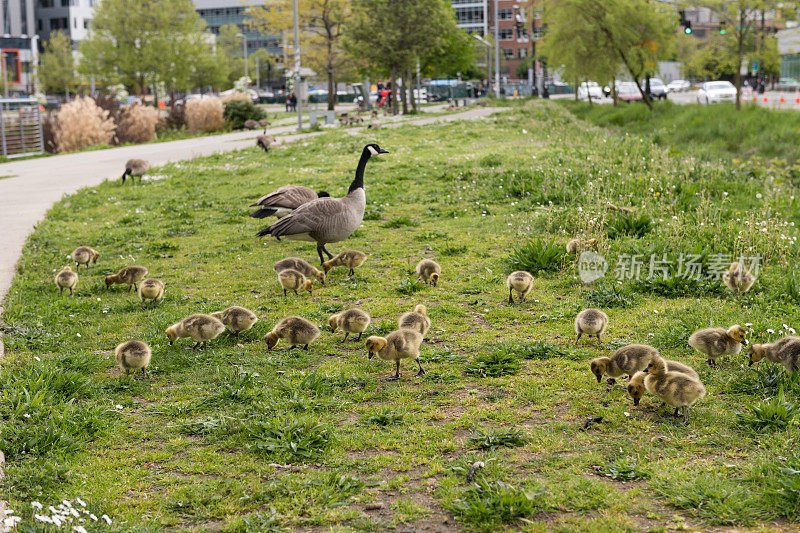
{"x": 783, "y": 100}
{"x": 797, "y": 96}
{"x": 765, "y": 98}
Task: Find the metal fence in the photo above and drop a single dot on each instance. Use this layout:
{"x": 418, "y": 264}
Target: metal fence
{"x": 21, "y": 127}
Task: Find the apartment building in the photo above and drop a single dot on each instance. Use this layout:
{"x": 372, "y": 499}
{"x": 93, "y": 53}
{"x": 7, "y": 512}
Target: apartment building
{"x": 72, "y": 17}
{"x": 18, "y": 45}
{"x": 218, "y": 13}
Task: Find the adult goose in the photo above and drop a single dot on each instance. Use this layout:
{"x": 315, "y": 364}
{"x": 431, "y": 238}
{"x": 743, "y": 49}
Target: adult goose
{"x": 284, "y": 200}
{"x": 327, "y": 220}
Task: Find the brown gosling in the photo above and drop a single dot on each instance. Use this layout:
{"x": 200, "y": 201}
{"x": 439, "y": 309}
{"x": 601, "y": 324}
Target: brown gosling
{"x": 151, "y": 289}
{"x": 202, "y": 328}
{"x": 135, "y": 167}
{"x": 83, "y": 255}
{"x": 519, "y": 281}
{"x": 129, "y": 275}
{"x": 131, "y": 355}
{"x": 738, "y": 279}
{"x": 350, "y": 321}
{"x": 579, "y": 245}
{"x": 612, "y": 207}
{"x": 397, "y": 345}
{"x": 295, "y": 330}
{"x": 590, "y": 322}
{"x": 236, "y": 319}
{"x": 636, "y": 387}
{"x": 428, "y": 271}
{"x": 626, "y": 360}
{"x": 676, "y": 389}
{"x": 351, "y": 259}
{"x": 714, "y": 342}
{"x": 302, "y": 266}
{"x": 785, "y": 351}
{"x": 416, "y": 320}
{"x": 66, "y": 279}
{"x": 292, "y": 280}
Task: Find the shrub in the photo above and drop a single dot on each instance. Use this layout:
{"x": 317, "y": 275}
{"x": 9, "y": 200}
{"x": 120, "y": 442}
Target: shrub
{"x": 82, "y": 123}
{"x": 49, "y": 133}
{"x": 204, "y": 114}
{"x": 137, "y": 124}
{"x": 175, "y": 120}
{"x": 538, "y": 256}
{"x": 237, "y": 112}
{"x": 236, "y": 97}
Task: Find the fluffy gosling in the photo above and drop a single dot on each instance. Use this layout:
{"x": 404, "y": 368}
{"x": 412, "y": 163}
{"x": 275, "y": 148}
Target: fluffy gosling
{"x": 350, "y": 321}
{"x": 151, "y": 289}
{"x": 428, "y": 271}
{"x": 83, "y": 255}
{"x": 351, "y": 259}
{"x": 576, "y": 246}
{"x": 590, "y": 322}
{"x": 714, "y": 342}
{"x": 236, "y": 319}
{"x": 675, "y": 389}
{"x": 397, "y": 345}
{"x": 636, "y": 388}
{"x": 785, "y": 351}
{"x": 519, "y": 281}
{"x": 295, "y": 330}
{"x": 131, "y": 355}
{"x": 626, "y": 360}
{"x": 202, "y": 328}
{"x": 129, "y": 275}
{"x": 66, "y": 279}
{"x": 291, "y": 280}
{"x": 416, "y": 320}
{"x": 302, "y": 266}
{"x": 738, "y": 279}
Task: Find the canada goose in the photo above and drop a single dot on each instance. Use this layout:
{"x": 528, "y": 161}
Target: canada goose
{"x": 416, "y": 320}
{"x": 129, "y": 275}
{"x": 636, "y": 388}
{"x": 327, "y": 220}
{"x": 738, "y": 279}
{"x": 428, "y": 271}
{"x": 397, "y": 345}
{"x": 785, "y": 351}
{"x": 714, "y": 342}
{"x": 135, "y": 167}
{"x": 284, "y": 200}
{"x": 579, "y": 245}
{"x": 590, "y": 322}
{"x": 83, "y": 255}
{"x": 373, "y": 126}
{"x": 251, "y": 124}
{"x": 351, "y": 259}
{"x": 202, "y": 328}
{"x": 626, "y": 360}
{"x": 133, "y": 355}
{"x": 350, "y": 321}
{"x": 151, "y": 289}
{"x": 66, "y": 279}
{"x": 374, "y": 113}
{"x": 294, "y": 330}
{"x": 302, "y": 266}
{"x": 265, "y": 140}
{"x": 236, "y": 318}
{"x": 292, "y": 280}
{"x": 676, "y": 389}
{"x": 519, "y": 281}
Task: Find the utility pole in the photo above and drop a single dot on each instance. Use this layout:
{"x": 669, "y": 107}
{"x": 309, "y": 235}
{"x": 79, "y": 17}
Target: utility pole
{"x": 496, "y": 49}
{"x": 297, "y": 67}
{"x": 244, "y": 49}
{"x": 258, "y": 74}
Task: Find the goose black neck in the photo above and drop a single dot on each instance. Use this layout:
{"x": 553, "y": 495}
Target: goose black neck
{"x": 358, "y": 182}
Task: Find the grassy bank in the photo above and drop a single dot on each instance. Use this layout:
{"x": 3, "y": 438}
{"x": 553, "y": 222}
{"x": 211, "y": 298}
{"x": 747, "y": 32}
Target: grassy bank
{"x": 239, "y": 438}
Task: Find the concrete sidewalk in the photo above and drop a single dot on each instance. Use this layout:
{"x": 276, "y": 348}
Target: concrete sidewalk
{"x": 30, "y": 187}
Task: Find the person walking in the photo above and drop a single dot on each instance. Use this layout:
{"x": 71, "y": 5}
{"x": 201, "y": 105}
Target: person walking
{"x": 293, "y": 102}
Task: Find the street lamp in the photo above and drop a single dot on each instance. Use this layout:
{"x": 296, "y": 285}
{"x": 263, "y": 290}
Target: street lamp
{"x": 244, "y": 50}
{"x": 488, "y": 56}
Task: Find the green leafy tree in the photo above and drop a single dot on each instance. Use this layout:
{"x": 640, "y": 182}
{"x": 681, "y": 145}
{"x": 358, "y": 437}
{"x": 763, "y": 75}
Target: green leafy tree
{"x": 57, "y": 70}
{"x": 230, "y": 47}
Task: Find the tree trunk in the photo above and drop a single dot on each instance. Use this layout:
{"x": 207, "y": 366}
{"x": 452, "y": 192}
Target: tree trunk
{"x": 393, "y": 89}
{"x": 331, "y": 90}
{"x": 404, "y": 94}
{"x": 588, "y": 93}
{"x": 737, "y": 77}
{"x": 411, "y": 89}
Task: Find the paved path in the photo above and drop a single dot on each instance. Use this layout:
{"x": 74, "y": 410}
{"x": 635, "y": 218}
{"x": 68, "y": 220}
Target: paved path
{"x": 34, "y": 185}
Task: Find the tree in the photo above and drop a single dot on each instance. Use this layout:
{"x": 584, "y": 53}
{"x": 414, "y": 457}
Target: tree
{"x": 230, "y": 47}
{"x": 58, "y": 65}
{"x": 322, "y": 23}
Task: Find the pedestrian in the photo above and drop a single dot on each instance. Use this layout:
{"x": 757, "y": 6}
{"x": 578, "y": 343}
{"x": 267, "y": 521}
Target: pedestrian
{"x": 293, "y": 101}
{"x": 288, "y": 102}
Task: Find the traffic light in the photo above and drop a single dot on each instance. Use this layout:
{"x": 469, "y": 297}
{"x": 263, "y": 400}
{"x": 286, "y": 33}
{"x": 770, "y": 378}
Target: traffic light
{"x": 722, "y": 30}
{"x": 687, "y": 25}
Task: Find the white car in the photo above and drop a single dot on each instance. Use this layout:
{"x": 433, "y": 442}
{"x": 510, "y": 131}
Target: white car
{"x": 715, "y": 92}
{"x": 678, "y": 86}
{"x": 590, "y": 88}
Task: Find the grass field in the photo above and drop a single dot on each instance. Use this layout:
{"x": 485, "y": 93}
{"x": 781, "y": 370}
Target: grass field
{"x": 239, "y": 438}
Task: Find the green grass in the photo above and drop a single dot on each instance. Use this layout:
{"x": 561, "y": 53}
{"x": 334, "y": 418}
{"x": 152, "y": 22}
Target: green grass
{"x": 240, "y": 438}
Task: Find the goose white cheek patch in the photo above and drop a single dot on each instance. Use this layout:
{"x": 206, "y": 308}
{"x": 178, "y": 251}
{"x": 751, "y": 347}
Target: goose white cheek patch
{"x": 373, "y": 151}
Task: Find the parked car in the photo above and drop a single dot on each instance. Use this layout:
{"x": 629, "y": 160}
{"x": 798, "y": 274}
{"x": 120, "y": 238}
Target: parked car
{"x": 787, "y": 84}
{"x": 657, "y": 89}
{"x": 678, "y": 86}
{"x": 715, "y": 92}
{"x": 589, "y": 88}
{"x": 628, "y": 92}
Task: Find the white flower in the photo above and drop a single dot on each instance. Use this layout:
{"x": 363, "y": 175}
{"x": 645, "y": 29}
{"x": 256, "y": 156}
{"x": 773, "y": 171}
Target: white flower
{"x": 36, "y": 505}
{"x": 106, "y": 518}
{"x": 770, "y": 330}
{"x": 93, "y": 517}
{"x": 759, "y": 196}
{"x": 79, "y": 529}
{"x": 80, "y": 502}
{"x": 43, "y": 518}
{"x": 118, "y": 406}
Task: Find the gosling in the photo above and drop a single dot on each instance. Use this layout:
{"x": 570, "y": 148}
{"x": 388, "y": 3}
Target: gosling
{"x": 714, "y": 342}
{"x": 129, "y": 275}
{"x": 590, "y": 322}
{"x": 676, "y": 389}
{"x": 579, "y": 245}
{"x": 151, "y": 289}
{"x": 202, "y": 328}
{"x": 236, "y": 319}
{"x": 83, "y": 255}
{"x": 302, "y": 266}
{"x": 785, "y": 351}
{"x": 416, "y": 320}
{"x": 397, "y": 345}
{"x": 131, "y": 355}
{"x": 295, "y": 330}
{"x": 626, "y": 360}
{"x": 66, "y": 279}
{"x": 738, "y": 279}
{"x": 291, "y": 280}
{"x": 519, "y": 281}
{"x": 428, "y": 271}
{"x": 636, "y": 387}
{"x": 351, "y": 259}
{"x": 350, "y": 321}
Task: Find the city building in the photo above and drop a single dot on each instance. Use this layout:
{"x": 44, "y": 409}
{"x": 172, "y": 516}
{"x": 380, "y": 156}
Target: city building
{"x": 472, "y": 15}
{"x": 72, "y": 17}
{"x": 789, "y": 50}
{"x": 218, "y": 13}
{"x": 18, "y": 45}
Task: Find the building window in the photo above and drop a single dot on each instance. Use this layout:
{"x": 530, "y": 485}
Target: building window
{"x": 75, "y": 22}
{"x": 86, "y": 23}
{"x": 12, "y": 65}
{"x": 61, "y": 23}
{"x": 522, "y": 52}
{"x": 505, "y": 14}
{"x": 508, "y": 53}
{"x": 505, "y": 34}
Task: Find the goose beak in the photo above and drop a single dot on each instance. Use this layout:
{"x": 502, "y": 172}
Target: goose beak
{"x": 370, "y": 355}
{"x": 598, "y": 378}
{"x": 750, "y": 363}
{"x": 382, "y": 151}
{"x": 636, "y": 401}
